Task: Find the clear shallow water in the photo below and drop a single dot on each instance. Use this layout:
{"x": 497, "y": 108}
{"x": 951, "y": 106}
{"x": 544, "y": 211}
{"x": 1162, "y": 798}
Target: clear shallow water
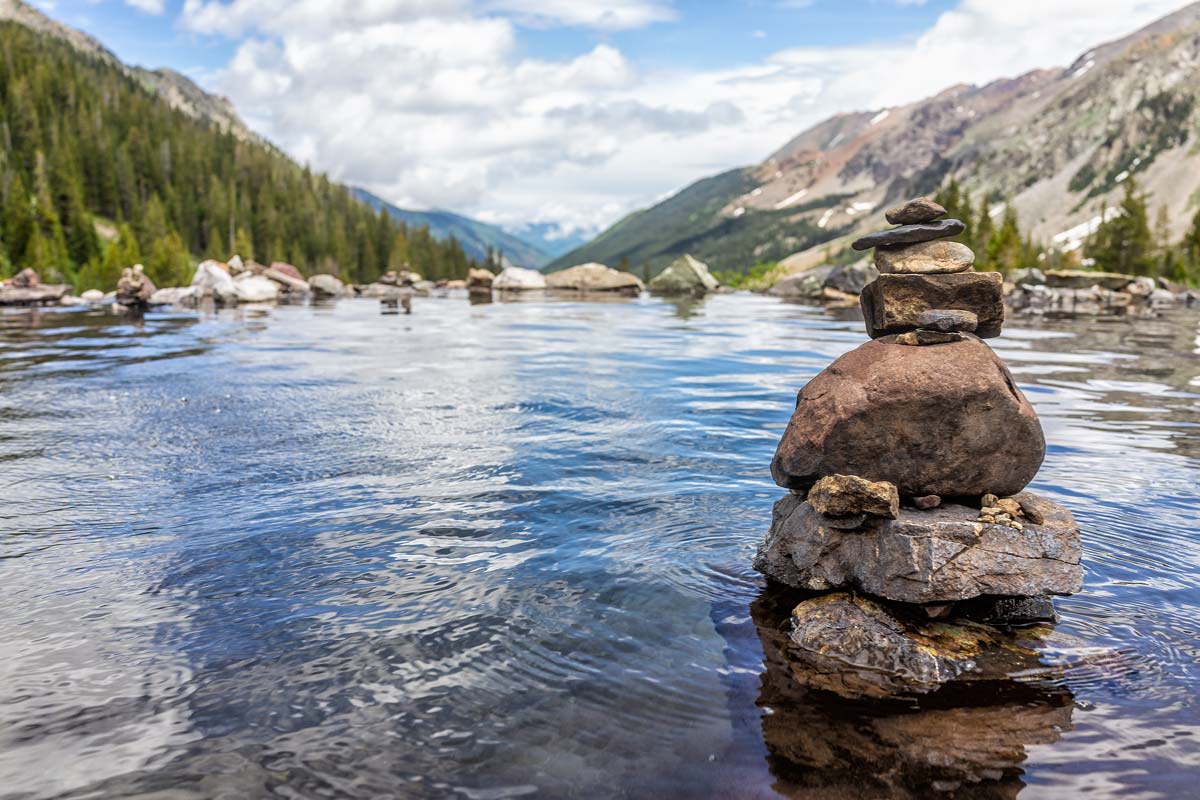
{"x": 503, "y": 551}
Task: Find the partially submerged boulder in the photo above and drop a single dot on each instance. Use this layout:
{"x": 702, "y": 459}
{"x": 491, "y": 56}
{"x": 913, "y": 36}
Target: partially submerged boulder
{"x": 685, "y": 275}
{"x": 251, "y": 288}
{"x": 287, "y": 277}
{"x": 1086, "y": 279}
{"x": 480, "y": 280}
{"x": 946, "y": 420}
{"x": 807, "y": 284}
{"x": 41, "y": 294}
{"x": 937, "y": 556}
{"x": 594, "y": 278}
{"x": 324, "y": 285}
{"x": 135, "y": 288}
{"x": 174, "y": 296}
{"x": 519, "y": 279}
{"x": 212, "y": 279}
{"x": 856, "y": 647}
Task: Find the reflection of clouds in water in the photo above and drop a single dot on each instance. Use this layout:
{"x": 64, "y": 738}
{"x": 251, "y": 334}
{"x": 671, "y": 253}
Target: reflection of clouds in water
{"x": 374, "y": 554}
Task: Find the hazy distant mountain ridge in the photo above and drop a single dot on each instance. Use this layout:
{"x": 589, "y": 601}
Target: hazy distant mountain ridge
{"x": 474, "y": 236}
{"x": 1057, "y": 143}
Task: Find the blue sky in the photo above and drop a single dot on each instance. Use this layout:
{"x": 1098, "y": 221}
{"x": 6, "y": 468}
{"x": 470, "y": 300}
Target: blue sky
{"x": 575, "y": 112}
{"x": 707, "y": 33}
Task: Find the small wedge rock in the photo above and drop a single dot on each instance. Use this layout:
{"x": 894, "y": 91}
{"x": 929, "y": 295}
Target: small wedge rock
{"x": 921, "y": 338}
{"x": 911, "y": 234}
{"x": 925, "y": 258}
{"x": 850, "y": 495}
{"x": 914, "y": 212}
{"x": 928, "y": 502}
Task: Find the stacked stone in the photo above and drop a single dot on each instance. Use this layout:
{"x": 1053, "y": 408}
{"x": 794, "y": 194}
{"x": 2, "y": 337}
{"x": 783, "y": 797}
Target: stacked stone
{"x": 907, "y": 461}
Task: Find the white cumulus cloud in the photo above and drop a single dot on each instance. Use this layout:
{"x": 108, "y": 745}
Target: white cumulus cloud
{"x": 432, "y": 103}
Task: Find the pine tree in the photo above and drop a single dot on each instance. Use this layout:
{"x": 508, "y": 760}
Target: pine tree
{"x": 80, "y": 141}
{"x": 1005, "y": 250}
{"x": 1124, "y": 243}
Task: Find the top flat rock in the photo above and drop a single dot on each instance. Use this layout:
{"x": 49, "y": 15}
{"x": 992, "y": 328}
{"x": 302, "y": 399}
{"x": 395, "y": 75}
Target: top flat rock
{"x": 911, "y": 234}
{"x": 915, "y": 212}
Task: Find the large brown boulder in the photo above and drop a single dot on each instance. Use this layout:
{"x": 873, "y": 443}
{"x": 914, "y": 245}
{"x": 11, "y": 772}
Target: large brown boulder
{"x": 893, "y": 303}
{"x": 594, "y": 278}
{"x": 939, "y": 556}
{"x": 944, "y": 419}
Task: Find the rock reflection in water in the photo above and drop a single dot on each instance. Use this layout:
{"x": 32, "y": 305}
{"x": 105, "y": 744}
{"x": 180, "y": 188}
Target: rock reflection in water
{"x": 966, "y": 741}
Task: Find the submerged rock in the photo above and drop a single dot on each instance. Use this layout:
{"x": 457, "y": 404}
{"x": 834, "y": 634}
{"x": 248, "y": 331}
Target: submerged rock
{"x": 895, "y": 303}
{"x": 936, "y": 556}
{"x": 856, "y": 647}
{"x": 685, "y": 275}
{"x": 946, "y": 420}
{"x": 594, "y": 278}
{"x": 926, "y": 258}
{"x": 850, "y": 495}
{"x": 968, "y": 740}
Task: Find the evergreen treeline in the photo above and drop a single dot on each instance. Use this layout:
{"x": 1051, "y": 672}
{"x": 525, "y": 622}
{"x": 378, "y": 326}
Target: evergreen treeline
{"x": 1125, "y": 242}
{"x": 82, "y": 142}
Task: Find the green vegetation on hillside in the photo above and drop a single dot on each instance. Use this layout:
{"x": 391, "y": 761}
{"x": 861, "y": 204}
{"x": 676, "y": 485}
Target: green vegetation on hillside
{"x": 1125, "y": 242}
{"x": 691, "y": 222}
{"x": 80, "y": 139}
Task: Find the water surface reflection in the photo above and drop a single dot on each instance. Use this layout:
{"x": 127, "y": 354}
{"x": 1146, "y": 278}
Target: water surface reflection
{"x": 503, "y": 550}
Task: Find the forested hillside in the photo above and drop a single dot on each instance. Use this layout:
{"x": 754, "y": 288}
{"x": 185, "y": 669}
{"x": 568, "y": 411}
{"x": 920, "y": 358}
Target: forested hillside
{"x": 82, "y": 143}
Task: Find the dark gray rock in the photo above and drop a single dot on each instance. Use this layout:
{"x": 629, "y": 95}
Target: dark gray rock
{"x": 945, "y": 420}
{"x": 851, "y": 278}
{"x": 1010, "y": 611}
{"x": 947, "y": 320}
{"x": 807, "y": 284}
{"x": 937, "y": 556}
{"x": 914, "y": 212}
{"x": 895, "y": 303}
{"x": 911, "y": 234}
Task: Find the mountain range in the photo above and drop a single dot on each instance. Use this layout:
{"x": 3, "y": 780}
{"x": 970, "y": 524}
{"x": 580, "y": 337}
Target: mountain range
{"x": 1056, "y": 144}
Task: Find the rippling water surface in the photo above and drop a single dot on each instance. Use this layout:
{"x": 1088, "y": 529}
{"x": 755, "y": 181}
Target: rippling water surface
{"x": 504, "y": 551}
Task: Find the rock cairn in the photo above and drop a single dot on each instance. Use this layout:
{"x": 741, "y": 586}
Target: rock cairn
{"x": 907, "y": 461}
